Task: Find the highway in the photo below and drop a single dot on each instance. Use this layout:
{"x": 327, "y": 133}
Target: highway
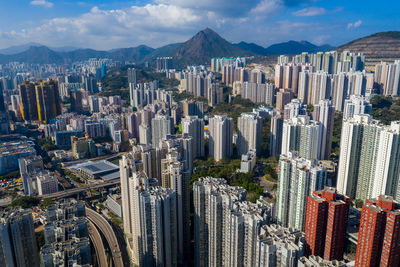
{"x": 109, "y": 234}
{"x": 70, "y": 192}
{"x": 94, "y": 235}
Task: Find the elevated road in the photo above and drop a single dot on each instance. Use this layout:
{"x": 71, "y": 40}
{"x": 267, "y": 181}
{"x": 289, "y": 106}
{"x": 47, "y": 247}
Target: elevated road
{"x": 94, "y": 235}
{"x": 67, "y": 193}
{"x": 102, "y": 224}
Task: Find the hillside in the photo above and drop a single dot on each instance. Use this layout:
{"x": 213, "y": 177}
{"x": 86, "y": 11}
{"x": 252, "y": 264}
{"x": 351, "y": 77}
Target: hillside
{"x": 294, "y": 47}
{"x": 382, "y": 46}
{"x": 205, "y": 45}
{"x": 199, "y": 49}
{"x": 252, "y": 47}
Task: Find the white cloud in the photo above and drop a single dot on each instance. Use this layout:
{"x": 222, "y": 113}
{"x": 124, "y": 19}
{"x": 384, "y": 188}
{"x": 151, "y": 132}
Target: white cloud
{"x": 41, "y": 3}
{"x": 354, "y": 24}
{"x": 167, "y": 21}
{"x": 310, "y": 12}
{"x": 267, "y": 7}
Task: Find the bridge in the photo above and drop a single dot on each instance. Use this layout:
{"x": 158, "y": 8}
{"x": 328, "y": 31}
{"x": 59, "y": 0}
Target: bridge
{"x": 101, "y": 223}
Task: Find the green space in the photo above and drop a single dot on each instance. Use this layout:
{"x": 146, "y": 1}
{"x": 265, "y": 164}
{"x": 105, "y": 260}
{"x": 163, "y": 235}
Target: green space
{"x": 227, "y": 169}
{"x": 385, "y": 109}
{"x": 47, "y": 144}
{"x": 40, "y": 239}
{"x": 337, "y": 131}
{"x": 116, "y": 81}
{"x": 73, "y": 177}
{"x": 25, "y": 202}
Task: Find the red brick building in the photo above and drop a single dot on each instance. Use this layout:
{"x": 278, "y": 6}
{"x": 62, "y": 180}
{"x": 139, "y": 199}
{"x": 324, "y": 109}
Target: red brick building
{"x": 379, "y": 235}
{"x": 326, "y": 222}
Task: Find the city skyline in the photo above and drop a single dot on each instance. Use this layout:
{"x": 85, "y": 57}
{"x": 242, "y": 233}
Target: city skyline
{"x": 115, "y": 24}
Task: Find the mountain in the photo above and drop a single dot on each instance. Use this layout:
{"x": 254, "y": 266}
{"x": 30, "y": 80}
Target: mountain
{"x": 199, "y": 49}
{"x": 205, "y": 45}
{"x": 17, "y": 48}
{"x": 136, "y": 54}
{"x": 252, "y": 47}
{"x": 382, "y": 46}
{"x": 294, "y": 47}
{"x": 22, "y": 48}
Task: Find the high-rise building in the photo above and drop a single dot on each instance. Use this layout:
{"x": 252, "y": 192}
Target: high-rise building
{"x": 358, "y": 153}
{"x": 302, "y": 135}
{"x": 161, "y": 126}
{"x": 379, "y": 234}
{"x": 194, "y": 127}
{"x": 27, "y": 96}
{"x": 294, "y": 109}
{"x": 76, "y": 101}
{"x": 132, "y": 78}
{"x": 386, "y": 171}
{"x": 18, "y": 241}
{"x": 150, "y": 218}
{"x": 249, "y": 133}
{"x": 226, "y": 227}
{"x": 297, "y": 179}
{"x": 326, "y": 222}
{"x": 283, "y": 97}
{"x": 279, "y": 246}
{"x": 355, "y": 105}
{"x": 164, "y": 64}
{"x": 324, "y": 112}
{"x": 48, "y": 100}
{"x": 175, "y": 177}
{"x": 276, "y": 134}
{"x": 40, "y": 100}
{"x": 221, "y": 135}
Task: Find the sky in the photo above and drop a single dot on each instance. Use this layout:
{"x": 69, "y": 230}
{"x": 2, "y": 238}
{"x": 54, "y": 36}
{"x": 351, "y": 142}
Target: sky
{"x": 113, "y": 24}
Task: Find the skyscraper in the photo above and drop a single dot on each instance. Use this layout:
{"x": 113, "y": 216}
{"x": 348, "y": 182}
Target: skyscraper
{"x": 150, "y": 218}
{"x": 379, "y": 234}
{"x": 276, "y": 134}
{"x": 226, "y": 227}
{"x": 387, "y": 169}
{"x": 302, "y": 135}
{"x": 249, "y": 133}
{"x": 48, "y": 100}
{"x": 297, "y": 178}
{"x": 134, "y": 94}
{"x": 18, "y": 241}
{"x": 221, "y": 131}
{"x": 28, "y": 101}
{"x": 324, "y": 113}
{"x": 175, "y": 177}
{"x": 40, "y": 100}
{"x": 326, "y": 223}
{"x": 161, "y": 126}
{"x": 76, "y": 101}
{"x": 194, "y": 127}
{"x": 355, "y": 105}
{"x": 358, "y": 153}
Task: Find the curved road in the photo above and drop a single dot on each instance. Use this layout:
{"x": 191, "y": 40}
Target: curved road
{"x": 109, "y": 234}
{"x": 94, "y": 235}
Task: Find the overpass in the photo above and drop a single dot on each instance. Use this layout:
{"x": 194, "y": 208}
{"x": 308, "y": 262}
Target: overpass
{"x": 70, "y": 192}
{"x": 101, "y": 223}
{"x": 98, "y": 245}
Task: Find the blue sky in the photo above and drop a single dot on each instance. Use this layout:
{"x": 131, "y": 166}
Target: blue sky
{"x": 112, "y": 24}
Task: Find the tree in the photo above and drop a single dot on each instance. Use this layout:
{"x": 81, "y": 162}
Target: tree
{"x": 25, "y": 202}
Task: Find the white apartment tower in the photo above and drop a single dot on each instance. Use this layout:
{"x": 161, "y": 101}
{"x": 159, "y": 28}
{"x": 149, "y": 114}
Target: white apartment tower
{"x": 249, "y": 133}
{"x": 302, "y": 135}
{"x": 297, "y": 179}
{"x": 221, "y": 135}
{"x": 194, "y": 127}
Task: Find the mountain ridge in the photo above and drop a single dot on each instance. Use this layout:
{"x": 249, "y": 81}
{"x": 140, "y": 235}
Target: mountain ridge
{"x": 207, "y": 44}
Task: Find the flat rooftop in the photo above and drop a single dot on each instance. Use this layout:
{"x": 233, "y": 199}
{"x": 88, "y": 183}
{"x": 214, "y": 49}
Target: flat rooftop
{"x": 96, "y": 167}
